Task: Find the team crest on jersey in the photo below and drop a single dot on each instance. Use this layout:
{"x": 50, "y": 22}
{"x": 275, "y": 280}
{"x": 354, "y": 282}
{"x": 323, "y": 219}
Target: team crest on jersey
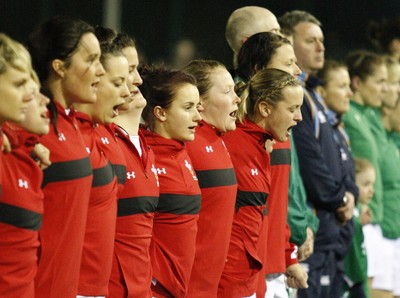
{"x": 190, "y": 168}
{"x": 154, "y": 170}
{"x": 209, "y": 149}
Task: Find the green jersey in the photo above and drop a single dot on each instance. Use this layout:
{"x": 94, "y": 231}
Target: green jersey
{"x": 364, "y": 127}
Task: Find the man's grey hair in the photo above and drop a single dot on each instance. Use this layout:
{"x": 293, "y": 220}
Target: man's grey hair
{"x": 291, "y": 18}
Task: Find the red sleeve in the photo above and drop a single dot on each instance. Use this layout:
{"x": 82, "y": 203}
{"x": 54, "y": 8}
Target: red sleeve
{"x": 290, "y": 249}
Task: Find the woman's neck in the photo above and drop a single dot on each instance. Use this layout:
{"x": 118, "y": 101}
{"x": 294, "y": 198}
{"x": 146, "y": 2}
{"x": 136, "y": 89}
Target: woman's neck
{"x": 129, "y": 121}
{"x": 58, "y": 93}
{"x": 358, "y": 99}
{"x": 385, "y": 118}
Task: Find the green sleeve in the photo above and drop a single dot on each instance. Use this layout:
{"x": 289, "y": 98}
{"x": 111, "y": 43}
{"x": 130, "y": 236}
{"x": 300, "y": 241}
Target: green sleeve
{"x": 297, "y": 208}
{"x": 313, "y": 221}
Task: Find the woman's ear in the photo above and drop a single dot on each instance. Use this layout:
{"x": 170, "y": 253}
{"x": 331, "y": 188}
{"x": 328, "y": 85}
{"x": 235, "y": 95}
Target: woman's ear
{"x": 244, "y": 39}
{"x": 355, "y": 83}
{"x": 256, "y": 68}
{"x": 159, "y": 113}
{"x": 58, "y": 67}
{"x": 203, "y": 101}
{"x": 264, "y": 109}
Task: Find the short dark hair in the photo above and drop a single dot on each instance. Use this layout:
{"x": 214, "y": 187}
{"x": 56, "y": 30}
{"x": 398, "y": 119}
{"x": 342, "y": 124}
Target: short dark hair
{"x": 123, "y": 40}
{"x": 159, "y": 88}
{"x": 329, "y": 65}
{"x": 257, "y": 52}
{"x": 362, "y": 63}
{"x": 106, "y": 37}
{"x": 291, "y": 18}
{"x": 57, "y": 38}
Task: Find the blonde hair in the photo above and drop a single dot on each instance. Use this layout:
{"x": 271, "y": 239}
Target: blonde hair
{"x": 362, "y": 164}
{"x": 265, "y": 86}
{"x": 13, "y": 54}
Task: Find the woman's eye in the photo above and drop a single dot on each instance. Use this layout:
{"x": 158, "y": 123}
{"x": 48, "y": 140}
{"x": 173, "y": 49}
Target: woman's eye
{"x": 20, "y": 83}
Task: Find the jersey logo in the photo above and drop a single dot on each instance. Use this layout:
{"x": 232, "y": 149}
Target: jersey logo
{"x": 209, "y": 149}
{"x": 23, "y": 183}
{"x": 61, "y": 137}
{"x": 161, "y": 171}
{"x": 254, "y": 172}
{"x": 154, "y": 170}
{"x": 88, "y": 150}
{"x": 189, "y": 166}
{"x": 105, "y": 140}
{"x": 130, "y": 175}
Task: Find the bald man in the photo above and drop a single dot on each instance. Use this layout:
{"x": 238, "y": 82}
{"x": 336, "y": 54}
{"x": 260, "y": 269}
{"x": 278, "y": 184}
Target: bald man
{"x": 245, "y": 22}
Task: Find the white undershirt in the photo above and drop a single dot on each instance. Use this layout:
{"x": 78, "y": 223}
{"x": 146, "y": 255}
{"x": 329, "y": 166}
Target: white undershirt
{"x": 135, "y": 141}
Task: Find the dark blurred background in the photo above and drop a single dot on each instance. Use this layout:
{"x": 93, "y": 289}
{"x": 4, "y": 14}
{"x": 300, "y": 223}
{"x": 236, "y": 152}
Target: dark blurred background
{"x": 158, "y": 25}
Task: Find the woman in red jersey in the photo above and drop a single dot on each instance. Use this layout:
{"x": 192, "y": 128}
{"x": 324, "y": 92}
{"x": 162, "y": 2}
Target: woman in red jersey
{"x": 14, "y": 88}
{"x": 270, "y": 106}
{"x": 65, "y": 53}
{"x": 215, "y": 172}
{"x": 21, "y": 207}
{"x": 131, "y": 272}
{"x": 268, "y": 50}
{"x": 171, "y": 117}
{"x": 98, "y": 246}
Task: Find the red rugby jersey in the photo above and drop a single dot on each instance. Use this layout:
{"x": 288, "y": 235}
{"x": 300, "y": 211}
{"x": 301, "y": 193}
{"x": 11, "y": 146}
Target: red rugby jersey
{"x": 175, "y": 223}
{"x": 110, "y": 144}
{"x": 66, "y": 185}
{"x": 21, "y": 210}
{"x": 132, "y": 272}
{"x": 217, "y": 181}
{"x": 98, "y": 245}
{"x": 246, "y": 146}
{"x": 282, "y": 253}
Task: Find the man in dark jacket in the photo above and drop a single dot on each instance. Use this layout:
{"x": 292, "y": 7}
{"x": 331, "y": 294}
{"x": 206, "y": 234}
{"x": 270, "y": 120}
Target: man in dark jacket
{"x": 319, "y": 156}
